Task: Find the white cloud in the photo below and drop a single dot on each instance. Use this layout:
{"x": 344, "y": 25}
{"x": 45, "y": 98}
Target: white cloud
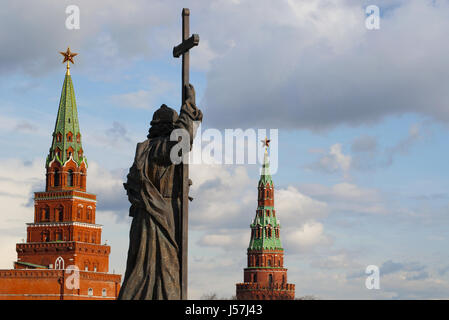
{"x": 306, "y": 238}
{"x": 150, "y": 98}
{"x": 295, "y": 208}
{"x": 17, "y": 182}
{"x": 228, "y": 239}
{"x": 348, "y": 197}
{"x": 333, "y": 161}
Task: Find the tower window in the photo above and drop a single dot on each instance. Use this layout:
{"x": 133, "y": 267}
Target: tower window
{"x": 44, "y": 236}
{"x": 69, "y": 152}
{"x": 60, "y": 213}
{"x": 46, "y": 214}
{"x": 70, "y": 178}
{"x": 103, "y": 292}
{"x": 59, "y": 263}
{"x": 90, "y": 292}
{"x": 270, "y": 279}
{"x": 56, "y": 178}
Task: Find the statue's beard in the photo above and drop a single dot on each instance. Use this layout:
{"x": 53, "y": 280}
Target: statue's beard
{"x": 160, "y": 130}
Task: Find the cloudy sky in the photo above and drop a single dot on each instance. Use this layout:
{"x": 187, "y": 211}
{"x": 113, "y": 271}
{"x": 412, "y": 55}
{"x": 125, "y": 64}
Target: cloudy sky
{"x": 362, "y": 118}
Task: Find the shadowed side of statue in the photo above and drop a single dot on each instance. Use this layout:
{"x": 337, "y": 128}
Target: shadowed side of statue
{"x": 154, "y": 187}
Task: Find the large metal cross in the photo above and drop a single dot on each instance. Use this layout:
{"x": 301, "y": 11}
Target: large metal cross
{"x": 183, "y": 49}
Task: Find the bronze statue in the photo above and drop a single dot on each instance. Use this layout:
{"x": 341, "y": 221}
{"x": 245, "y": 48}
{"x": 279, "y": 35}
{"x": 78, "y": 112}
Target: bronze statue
{"x": 155, "y": 189}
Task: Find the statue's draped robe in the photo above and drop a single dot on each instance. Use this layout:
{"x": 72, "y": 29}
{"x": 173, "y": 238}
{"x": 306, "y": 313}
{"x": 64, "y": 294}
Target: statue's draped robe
{"x": 154, "y": 188}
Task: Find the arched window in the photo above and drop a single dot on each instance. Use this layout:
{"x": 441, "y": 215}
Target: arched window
{"x": 58, "y": 153}
{"x": 46, "y": 214}
{"x": 283, "y": 278}
{"x": 59, "y": 213}
{"x": 270, "y": 279}
{"x": 56, "y": 178}
{"x": 269, "y": 262}
{"x": 90, "y": 292}
{"x": 103, "y": 292}
{"x": 83, "y": 179}
{"x": 59, "y": 263}
{"x": 70, "y": 178}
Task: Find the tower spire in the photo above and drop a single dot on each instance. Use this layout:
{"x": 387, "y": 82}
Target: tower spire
{"x": 265, "y": 176}
{"x": 66, "y": 156}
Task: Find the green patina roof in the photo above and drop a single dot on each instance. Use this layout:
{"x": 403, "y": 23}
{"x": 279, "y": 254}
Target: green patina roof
{"x": 263, "y": 219}
{"x": 66, "y": 122}
{"x": 32, "y": 265}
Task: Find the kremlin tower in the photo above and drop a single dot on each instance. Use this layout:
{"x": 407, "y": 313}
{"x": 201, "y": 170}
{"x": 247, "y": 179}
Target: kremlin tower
{"x": 63, "y": 257}
{"x": 265, "y": 277}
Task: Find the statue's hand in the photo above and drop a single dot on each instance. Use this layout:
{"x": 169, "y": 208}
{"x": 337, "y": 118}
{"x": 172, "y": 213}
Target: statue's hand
{"x": 190, "y": 93}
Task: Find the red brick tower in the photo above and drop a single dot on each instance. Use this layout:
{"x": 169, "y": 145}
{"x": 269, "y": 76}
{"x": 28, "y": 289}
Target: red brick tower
{"x": 63, "y": 237}
{"x": 265, "y": 277}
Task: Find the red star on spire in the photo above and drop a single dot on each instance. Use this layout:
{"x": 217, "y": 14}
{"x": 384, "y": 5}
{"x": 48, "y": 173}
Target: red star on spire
{"x": 266, "y": 142}
{"x": 68, "y": 55}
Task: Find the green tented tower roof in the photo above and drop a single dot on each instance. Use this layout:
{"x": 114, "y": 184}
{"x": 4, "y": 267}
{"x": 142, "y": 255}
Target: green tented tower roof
{"x": 66, "y": 140}
{"x": 265, "y": 226}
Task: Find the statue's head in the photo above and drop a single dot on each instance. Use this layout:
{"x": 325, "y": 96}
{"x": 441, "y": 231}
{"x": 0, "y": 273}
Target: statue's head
{"x": 163, "y": 122}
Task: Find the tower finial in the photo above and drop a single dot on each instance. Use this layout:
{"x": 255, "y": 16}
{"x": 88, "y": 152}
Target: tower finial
{"x": 266, "y": 143}
{"x": 68, "y": 56}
